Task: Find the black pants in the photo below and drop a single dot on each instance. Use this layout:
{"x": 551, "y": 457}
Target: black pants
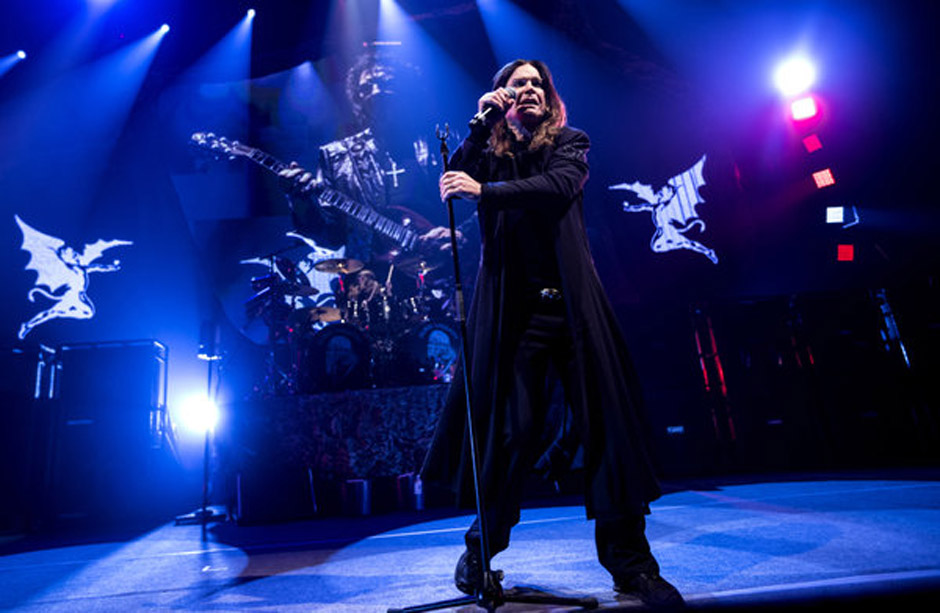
{"x": 622, "y": 547}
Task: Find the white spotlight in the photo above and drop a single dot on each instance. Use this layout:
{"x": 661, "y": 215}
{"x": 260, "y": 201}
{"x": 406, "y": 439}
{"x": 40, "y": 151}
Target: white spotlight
{"x": 794, "y": 76}
{"x": 835, "y": 214}
{"x": 164, "y": 28}
{"x": 199, "y": 414}
{"x": 21, "y": 54}
{"x": 251, "y": 13}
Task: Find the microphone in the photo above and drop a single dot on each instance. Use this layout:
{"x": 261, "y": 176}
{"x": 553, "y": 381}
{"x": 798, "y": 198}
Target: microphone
{"x": 488, "y": 117}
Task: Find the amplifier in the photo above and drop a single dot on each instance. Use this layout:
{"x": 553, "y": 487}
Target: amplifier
{"x": 112, "y": 448}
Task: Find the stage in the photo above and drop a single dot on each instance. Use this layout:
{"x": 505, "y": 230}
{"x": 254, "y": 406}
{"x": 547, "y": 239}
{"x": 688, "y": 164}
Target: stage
{"x": 239, "y": 257}
{"x": 827, "y": 541}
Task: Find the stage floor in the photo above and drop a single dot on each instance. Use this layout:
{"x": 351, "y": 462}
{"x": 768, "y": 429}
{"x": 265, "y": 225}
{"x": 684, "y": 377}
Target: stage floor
{"x": 811, "y": 540}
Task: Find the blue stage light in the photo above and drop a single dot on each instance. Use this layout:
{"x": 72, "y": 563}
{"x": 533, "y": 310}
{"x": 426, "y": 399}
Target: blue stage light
{"x": 21, "y": 54}
{"x": 198, "y": 414}
{"x": 251, "y": 13}
{"x": 164, "y": 29}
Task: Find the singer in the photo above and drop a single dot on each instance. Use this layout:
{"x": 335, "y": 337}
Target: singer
{"x": 539, "y": 308}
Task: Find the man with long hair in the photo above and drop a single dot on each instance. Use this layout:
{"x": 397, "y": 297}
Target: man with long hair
{"x": 539, "y": 305}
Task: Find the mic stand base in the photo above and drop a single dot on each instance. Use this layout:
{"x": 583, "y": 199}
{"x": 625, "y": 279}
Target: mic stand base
{"x": 492, "y": 602}
{"x": 199, "y": 516}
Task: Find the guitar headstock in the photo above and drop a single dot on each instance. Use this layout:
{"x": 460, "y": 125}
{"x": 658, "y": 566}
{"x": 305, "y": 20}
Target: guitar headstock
{"x": 219, "y": 145}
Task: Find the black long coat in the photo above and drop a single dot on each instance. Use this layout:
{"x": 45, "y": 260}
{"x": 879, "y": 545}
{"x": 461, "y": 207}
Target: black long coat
{"x": 606, "y": 403}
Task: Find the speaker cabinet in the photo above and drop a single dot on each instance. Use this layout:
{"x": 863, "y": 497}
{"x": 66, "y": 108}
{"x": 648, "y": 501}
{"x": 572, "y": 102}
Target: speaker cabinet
{"x": 112, "y": 454}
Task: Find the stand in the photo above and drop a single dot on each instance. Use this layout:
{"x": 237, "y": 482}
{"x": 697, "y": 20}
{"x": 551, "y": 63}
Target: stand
{"x": 204, "y": 515}
{"x": 491, "y": 596}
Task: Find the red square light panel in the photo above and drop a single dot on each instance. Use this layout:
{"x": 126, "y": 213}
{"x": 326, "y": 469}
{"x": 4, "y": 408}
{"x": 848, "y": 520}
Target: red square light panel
{"x": 845, "y": 253}
{"x": 812, "y": 143}
{"x": 824, "y": 178}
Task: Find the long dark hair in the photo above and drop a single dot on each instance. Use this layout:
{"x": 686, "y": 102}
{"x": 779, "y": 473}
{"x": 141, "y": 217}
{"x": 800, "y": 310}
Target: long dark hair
{"x": 555, "y": 119}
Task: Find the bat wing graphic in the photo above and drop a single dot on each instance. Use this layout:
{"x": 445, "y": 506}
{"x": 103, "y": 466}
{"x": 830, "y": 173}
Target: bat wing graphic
{"x": 682, "y": 206}
{"x": 44, "y": 258}
{"x": 640, "y": 189}
{"x": 96, "y": 249}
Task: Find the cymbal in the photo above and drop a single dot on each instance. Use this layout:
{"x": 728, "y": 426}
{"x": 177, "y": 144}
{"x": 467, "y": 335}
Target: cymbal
{"x": 299, "y": 290}
{"x": 312, "y": 316}
{"x": 343, "y": 266}
{"x": 416, "y": 266}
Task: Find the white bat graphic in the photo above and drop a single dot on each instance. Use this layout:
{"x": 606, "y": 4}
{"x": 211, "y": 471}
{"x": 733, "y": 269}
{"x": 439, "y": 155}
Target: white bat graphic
{"x": 62, "y": 274}
{"x": 673, "y": 210}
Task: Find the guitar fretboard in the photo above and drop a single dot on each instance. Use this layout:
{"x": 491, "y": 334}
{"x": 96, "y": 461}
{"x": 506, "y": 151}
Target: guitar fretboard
{"x": 268, "y": 161}
{"x": 399, "y": 233}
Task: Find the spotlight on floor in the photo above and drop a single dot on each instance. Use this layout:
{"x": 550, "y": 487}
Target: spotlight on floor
{"x": 794, "y": 76}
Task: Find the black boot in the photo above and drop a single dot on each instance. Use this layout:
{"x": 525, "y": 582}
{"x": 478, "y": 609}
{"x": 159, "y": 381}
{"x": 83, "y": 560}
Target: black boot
{"x": 652, "y": 590}
{"x": 468, "y": 576}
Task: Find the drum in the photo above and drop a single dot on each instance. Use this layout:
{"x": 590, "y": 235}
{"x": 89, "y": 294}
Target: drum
{"x": 377, "y": 316}
{"x": 429, "y": 353}
{"x": 333, "y": 359}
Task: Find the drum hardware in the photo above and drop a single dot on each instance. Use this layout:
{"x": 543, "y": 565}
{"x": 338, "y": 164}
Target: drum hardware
{"x": 372, "y": 337}
{"x": 430, "y": 352}
{"x": 277, "y": 301}
{"x": 264, "y": 281}
{"x": 342, "y": 266}
{"x": 297, "y": 291}
{"x": 336, "y": 358}
{"x": 417, "y": 267}
{"x": 303, "y": 318}
{"x": 273, "y": 284}
{"x": 290, "y": 272}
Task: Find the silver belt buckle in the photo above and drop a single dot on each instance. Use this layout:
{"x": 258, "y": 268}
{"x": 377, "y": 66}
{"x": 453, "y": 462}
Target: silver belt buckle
{"x": 549, "y": 294}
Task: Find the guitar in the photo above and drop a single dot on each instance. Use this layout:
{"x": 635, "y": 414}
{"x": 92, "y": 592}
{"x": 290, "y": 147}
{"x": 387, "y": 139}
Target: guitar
{"x": 403, "y": 234}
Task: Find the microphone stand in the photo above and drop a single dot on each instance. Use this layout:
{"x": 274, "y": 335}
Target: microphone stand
{"x": 491, "y": 595}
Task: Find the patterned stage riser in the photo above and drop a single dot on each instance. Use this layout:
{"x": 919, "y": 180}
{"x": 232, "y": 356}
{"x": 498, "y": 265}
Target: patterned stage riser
{"x": 280, "y": 451}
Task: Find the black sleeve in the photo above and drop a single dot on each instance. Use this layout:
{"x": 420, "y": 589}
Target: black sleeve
{"x": 562, "y": 179}
{"x": 470, "y": 157}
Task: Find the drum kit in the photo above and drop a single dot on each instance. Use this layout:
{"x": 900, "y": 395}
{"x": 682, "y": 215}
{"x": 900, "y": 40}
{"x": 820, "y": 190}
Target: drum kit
{"x": 369, "y": 336}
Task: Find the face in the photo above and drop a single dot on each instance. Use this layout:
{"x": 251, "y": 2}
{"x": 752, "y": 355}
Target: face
{"x": 374, "y": 81}
{"x": 376, "y": 91}
{"x": 530, "y": 107}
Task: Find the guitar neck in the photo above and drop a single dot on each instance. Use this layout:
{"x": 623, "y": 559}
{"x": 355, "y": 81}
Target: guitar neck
{"x": 401, "y": 235}
{"x": 267, "y": 161}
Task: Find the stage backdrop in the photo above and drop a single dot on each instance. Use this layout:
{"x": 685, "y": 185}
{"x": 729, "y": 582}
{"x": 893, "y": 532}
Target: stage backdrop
{"x": 698, "y": 191}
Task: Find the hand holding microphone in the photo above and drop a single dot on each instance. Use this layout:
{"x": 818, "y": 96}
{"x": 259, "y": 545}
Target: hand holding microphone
{"x": 492, "y": 107}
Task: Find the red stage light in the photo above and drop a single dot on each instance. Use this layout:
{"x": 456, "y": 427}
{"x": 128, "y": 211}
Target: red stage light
{"x": 803, "y": 108}
{"x": 824, "y": 178}
{"x": 845, "y": 253}
{"x": 812, "y": 143}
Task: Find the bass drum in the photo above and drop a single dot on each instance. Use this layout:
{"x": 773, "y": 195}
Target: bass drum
{"x": 430, "y": 353}
{"x": 335, "y": 358}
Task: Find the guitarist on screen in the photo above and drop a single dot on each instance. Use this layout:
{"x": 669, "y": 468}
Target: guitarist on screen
{"x": 383, "y": 166}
